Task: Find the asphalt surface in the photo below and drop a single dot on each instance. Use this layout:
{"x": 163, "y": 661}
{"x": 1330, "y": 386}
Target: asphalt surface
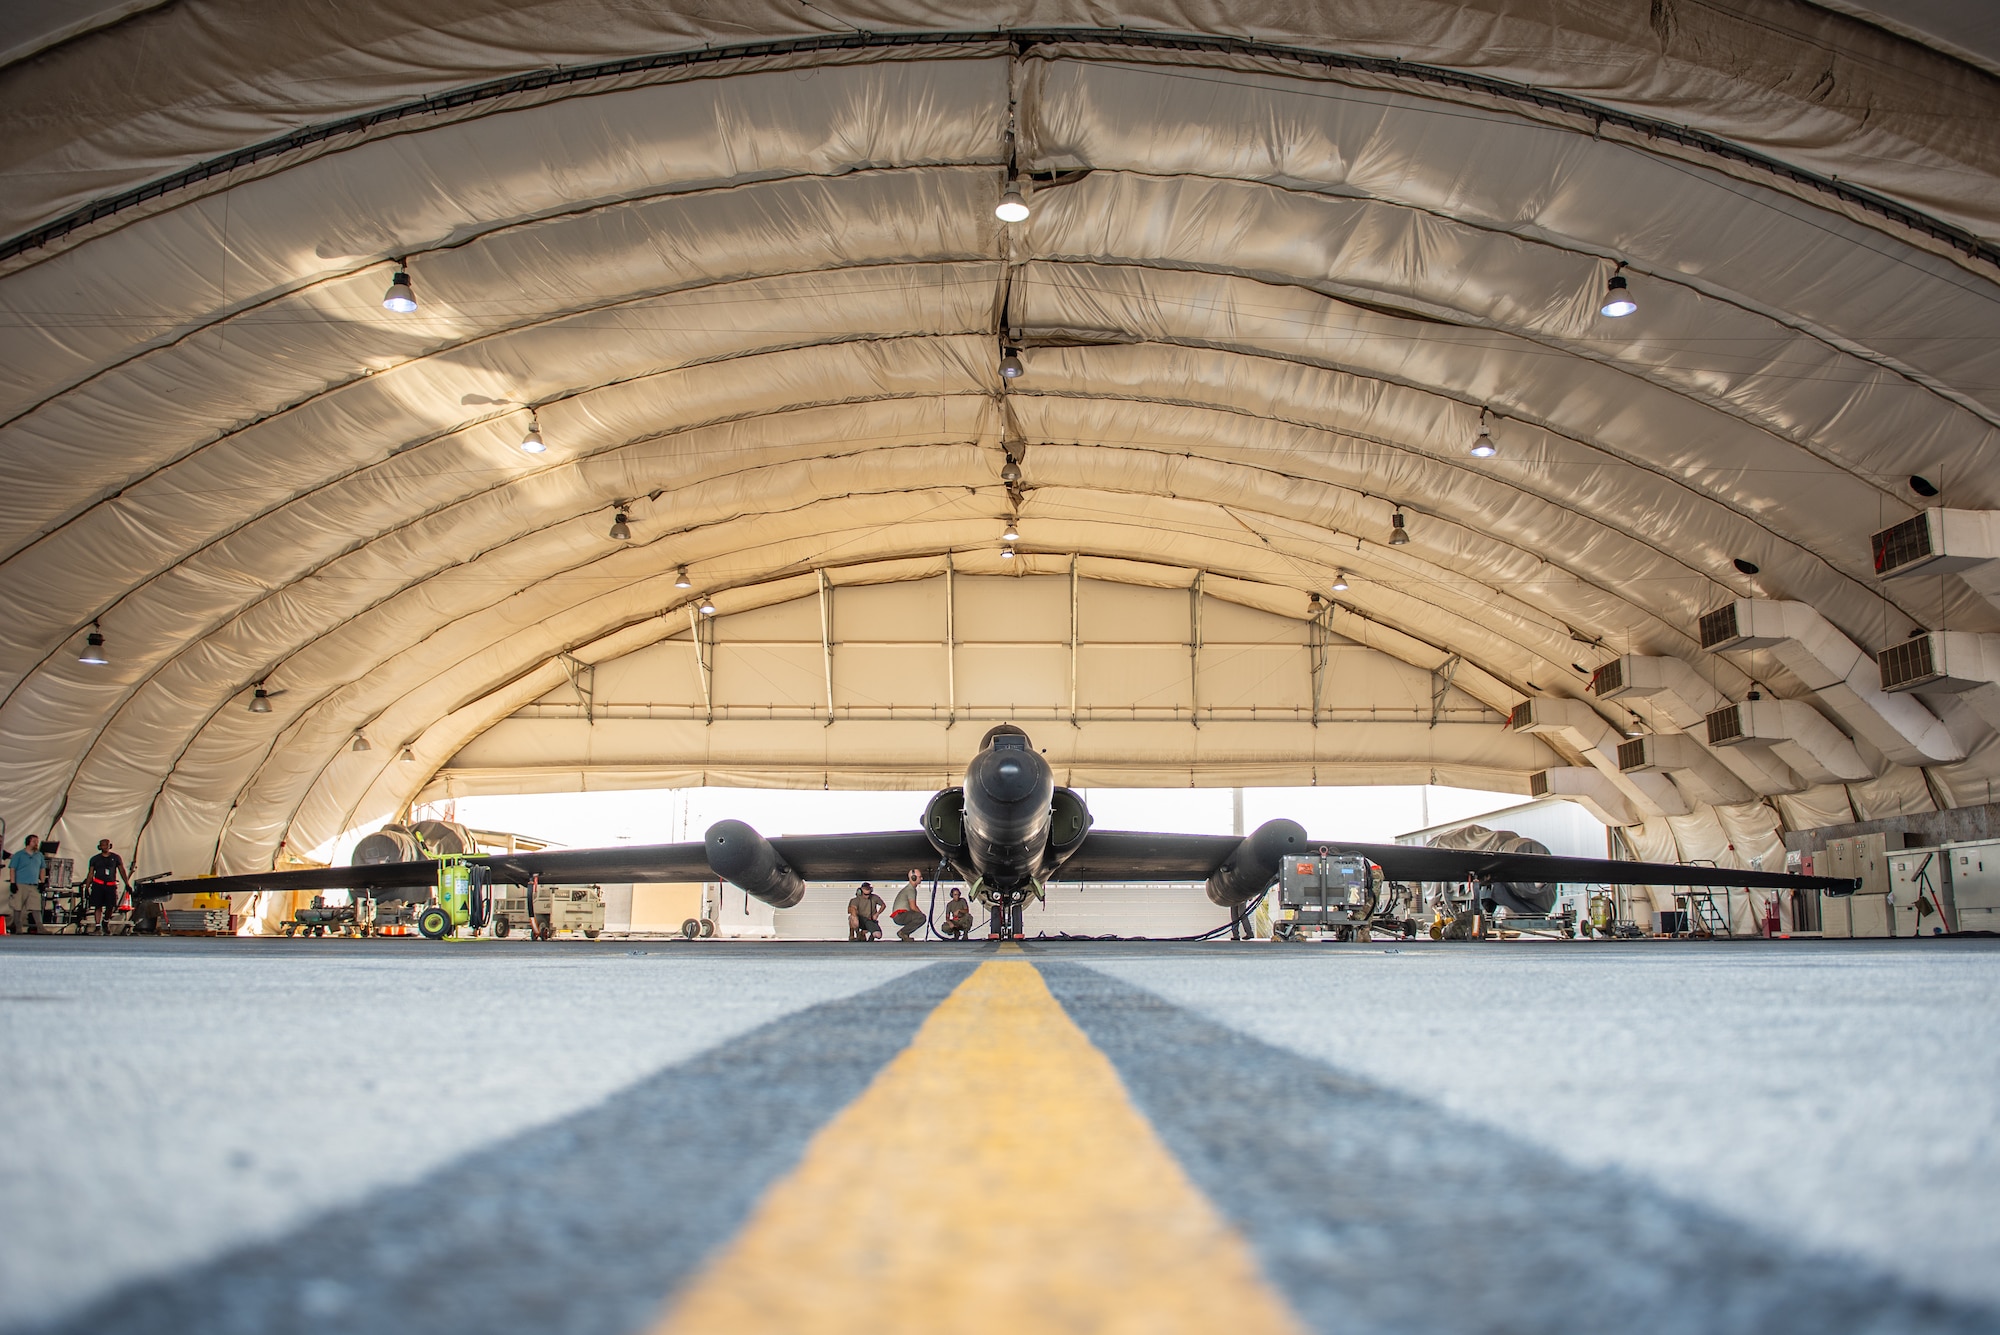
{"x": 343, "y": 1136}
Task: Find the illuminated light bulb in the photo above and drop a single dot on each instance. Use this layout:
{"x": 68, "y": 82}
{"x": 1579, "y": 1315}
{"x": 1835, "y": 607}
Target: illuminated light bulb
{"x": 1012, "y": 206}
{"x": 1339, "y": 583}
{"x": 681, "y": 580}
{"x": 1010, "y": 365}
{"x": 93, "y": 648}
{"x": 401, "y": 297}
{"x": 1482, "y": 444}
{"x": 532, "y": 443}
{"x": 1618, "y": 301}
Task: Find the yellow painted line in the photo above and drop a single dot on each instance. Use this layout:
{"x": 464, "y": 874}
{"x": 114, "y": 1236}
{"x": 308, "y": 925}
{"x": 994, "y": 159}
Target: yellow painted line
{"x": 1010, "y": 948}
{"x": 994, "y": 1177}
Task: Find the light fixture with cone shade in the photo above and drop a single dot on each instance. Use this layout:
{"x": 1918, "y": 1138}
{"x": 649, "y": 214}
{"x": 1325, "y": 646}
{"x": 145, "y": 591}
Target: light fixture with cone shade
{"x": 533, "y": 443}
{"x": 1013, "y": 533}
{"x": 409, "y": 756}
{"x": 1312, "y": 604}
{"x": 1006, "y": 553}
{"x": 1618, "y": 301}
{"x": 621, "y": 528}
{"x": 1010, "y": 364}
{"x": 1010, "y": 472}
{"x": 401, "y": 297}
{"x": 1013, "y": 206}
{"x": 707, "y": 608}
{"x": 93, "y": 648}
{"x": 681, "y": 580}
{"x": 1482, "y": 444}
{"x": 360, "y": 744}
{"x": 1339, "y": 582}
{"x": 1398, "y": 532}
{"x": 260, "y": 702}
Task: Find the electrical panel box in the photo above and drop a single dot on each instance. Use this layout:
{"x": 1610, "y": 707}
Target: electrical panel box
{"x": 1868, "y": 915}
{"x": 1865, "y": 857}
{"x": 1975, "y": 885}
{"x": 1316, "y": 891}
{"x": 1834, "y": 917}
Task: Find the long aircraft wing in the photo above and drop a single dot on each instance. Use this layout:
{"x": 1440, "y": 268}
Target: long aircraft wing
{"x": 1119, "y": 855}
{"x": 1106, "y": 855}
{"x": 816, "y": 857}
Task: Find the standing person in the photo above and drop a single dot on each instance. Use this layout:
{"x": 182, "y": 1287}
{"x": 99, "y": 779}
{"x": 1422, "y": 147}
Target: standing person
{"x": 26, "y": 871}
{"x": 864, "y": 914}
{"x": 906, "y": 915}
{"x": 958, "y": 916}
{"x": 107, "y": 869}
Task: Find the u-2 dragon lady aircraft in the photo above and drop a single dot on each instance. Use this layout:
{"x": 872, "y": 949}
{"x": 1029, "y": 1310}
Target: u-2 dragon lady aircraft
{"x": 1006, "y": 832}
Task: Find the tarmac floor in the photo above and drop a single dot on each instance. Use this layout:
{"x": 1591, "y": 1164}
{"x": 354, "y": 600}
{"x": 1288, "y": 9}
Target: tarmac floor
{"x": 650, "y": 1136}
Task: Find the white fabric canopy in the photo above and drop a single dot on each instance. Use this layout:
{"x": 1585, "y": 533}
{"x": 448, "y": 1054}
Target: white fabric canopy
{"x": 759, "y": 298}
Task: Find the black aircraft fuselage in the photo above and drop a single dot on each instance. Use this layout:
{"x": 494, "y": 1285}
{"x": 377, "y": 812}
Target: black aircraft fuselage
{"x": 1005, "y": 831}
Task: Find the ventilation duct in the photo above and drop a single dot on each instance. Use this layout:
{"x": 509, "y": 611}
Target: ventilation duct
{"x": 1799, "y": 735}
{"x": 1948, "y": 662}
{"x": 1584, "y": 731}
{"x": 1944, "y": 542}
{"x": 1833, "y": 668}
{"x": 1679, "y": 696}
{"x": 1587, "y": 788}
{"x": 1694, "y": 771}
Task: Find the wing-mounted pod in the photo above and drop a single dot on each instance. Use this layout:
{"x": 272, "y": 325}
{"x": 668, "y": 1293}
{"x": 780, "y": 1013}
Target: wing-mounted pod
{"x": 1254, "y": 865}
{"x": 1069, "y": 822}
{"x": 745, "y": 859}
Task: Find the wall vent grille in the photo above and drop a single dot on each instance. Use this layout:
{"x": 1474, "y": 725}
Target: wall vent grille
{"x": 1719, "y": 626}
{"x": 1632, "y": 754}
{"x": 1908, "y": 663}
{"x": 1523, "y": 715}
{"x": 1725, "y": 725}
{"x": 1902, "y": 544}
{"x": 1538, "y": 783}
{"x": 1609, "y": 678}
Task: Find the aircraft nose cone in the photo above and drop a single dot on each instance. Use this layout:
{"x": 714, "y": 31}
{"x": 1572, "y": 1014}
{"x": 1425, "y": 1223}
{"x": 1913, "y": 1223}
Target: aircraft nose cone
{"x": 1010, "y": 779}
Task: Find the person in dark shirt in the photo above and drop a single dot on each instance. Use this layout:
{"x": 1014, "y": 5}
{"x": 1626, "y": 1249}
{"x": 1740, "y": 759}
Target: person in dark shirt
{"x": 107, "y": 869}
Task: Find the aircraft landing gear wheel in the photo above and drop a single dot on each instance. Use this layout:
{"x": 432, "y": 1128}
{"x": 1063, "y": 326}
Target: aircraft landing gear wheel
{"x": 434, "y": 923}
{"x": 501, "y": 927}
{"x": 708, "y": 927}
{"x": 691, "y": 928}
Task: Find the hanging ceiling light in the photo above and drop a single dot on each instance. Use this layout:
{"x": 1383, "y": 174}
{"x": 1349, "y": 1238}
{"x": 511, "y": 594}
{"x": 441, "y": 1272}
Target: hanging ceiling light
{"x": 401, "y": 297}
{"x": 1013, "y": 533}
{"x": 621, "y": 528}
{"x": 409, "y": 756}
{"x": 1312, "y": 604}
{"x": 360, "y": 744}
{"x": 533, "y": 442}
{"x": 1339, "y": 582}
{"x": 260, "y": 703}
{"x": 1013, "y": 207}
{"x": 1006, "y": 553}
{"x": 93, "y": 648}
{"x": 1482, "y": 444}
{"x": 1010, "y": 364}
{"x": 1010, "y": 472}
{"x": 681, "y": 580}
{"x": 1398, "y": 534}
{"x": 1618, "y": 301}
{"x": 707, "y": 608}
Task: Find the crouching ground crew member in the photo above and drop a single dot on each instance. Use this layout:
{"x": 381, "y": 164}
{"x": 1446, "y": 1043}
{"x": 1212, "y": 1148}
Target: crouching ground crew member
{"x": 906, "y": 915}
{"x": 25, "y": 872}
{"x": 958, "y": 916}
{"x": 864, "y": 914}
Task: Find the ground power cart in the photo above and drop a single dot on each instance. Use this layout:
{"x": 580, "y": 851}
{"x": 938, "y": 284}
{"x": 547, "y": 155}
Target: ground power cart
{"x": 1324, "y": 898}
